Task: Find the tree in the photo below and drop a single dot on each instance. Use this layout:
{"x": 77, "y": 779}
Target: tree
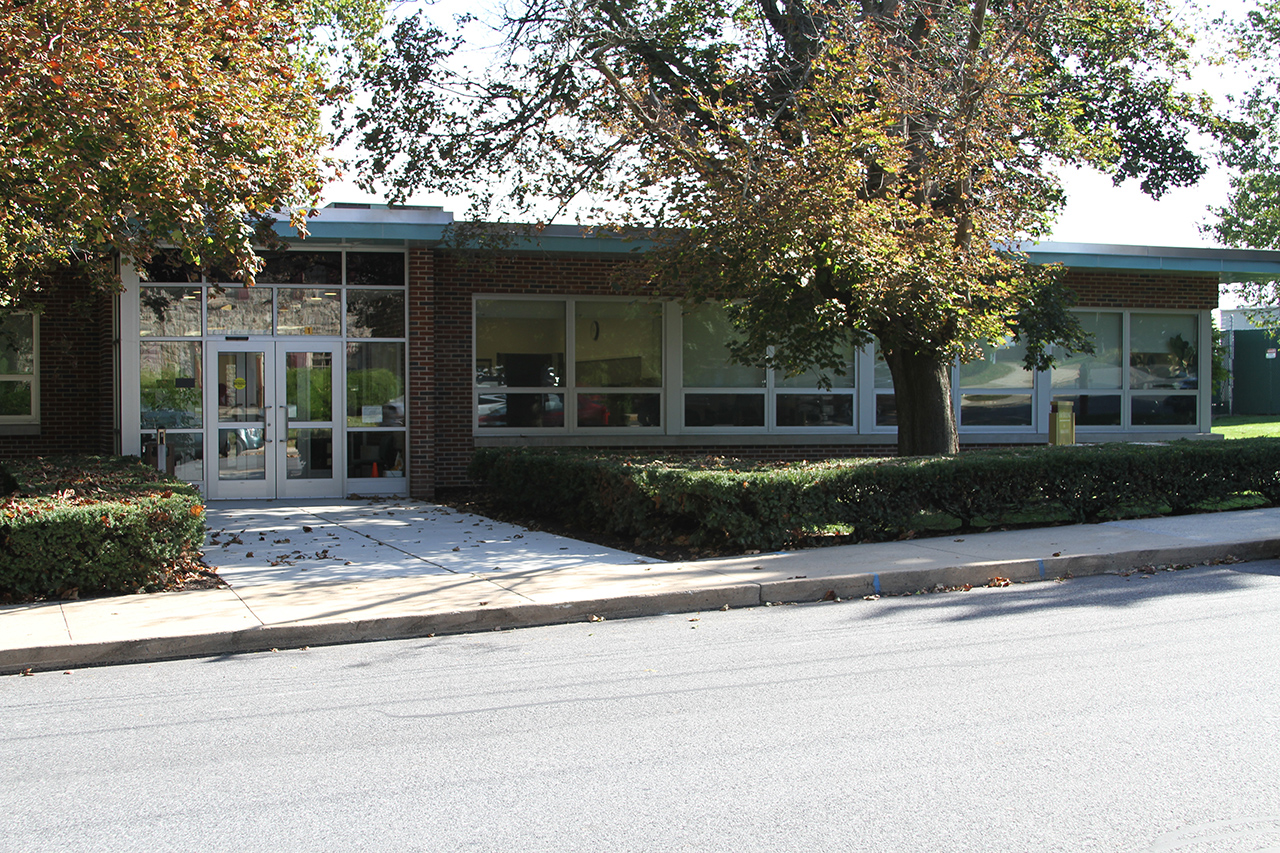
{"x": 1251, "y": 216}
{"x": 840, "y": 171}
{"x": 136, "y": 123}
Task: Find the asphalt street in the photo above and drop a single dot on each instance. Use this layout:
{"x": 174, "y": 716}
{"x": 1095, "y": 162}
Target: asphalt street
{"x": 1137, "y": 713}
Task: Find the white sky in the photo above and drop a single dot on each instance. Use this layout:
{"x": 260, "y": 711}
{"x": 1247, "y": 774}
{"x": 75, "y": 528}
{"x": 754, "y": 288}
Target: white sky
{"x": 1098, "y": 212}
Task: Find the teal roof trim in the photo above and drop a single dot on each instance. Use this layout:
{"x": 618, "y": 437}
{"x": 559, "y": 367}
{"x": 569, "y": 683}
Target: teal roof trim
{"x": 1222, "y": 262}
{"x": 385, "y": 225}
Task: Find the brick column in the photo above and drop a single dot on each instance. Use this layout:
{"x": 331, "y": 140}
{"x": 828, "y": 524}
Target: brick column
{"x": 422, "y": 374}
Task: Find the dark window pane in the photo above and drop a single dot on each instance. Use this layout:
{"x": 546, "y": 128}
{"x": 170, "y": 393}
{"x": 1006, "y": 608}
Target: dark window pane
{"x": 520, "y": 410}
{"x": 15, "y": 398}
{"x": 301, "y": 268}
{"x": 1095, "y": 409}
{"x": 995, "y": 410}
{"x": 1164, "y": 410}
{"x": 310, "y": 454}
{"x": 167, "y": 266}
{"x": 886, "y": 410}
{"x": 619, "y": 410}
{"x": 381, "y": 269}
{"x": 801, "y": 410}
{"x": 741, "y": 410}
{"x": 375, "y": 454}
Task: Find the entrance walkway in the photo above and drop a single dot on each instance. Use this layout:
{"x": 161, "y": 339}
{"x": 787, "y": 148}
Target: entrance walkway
{"x": 322, "y": 572}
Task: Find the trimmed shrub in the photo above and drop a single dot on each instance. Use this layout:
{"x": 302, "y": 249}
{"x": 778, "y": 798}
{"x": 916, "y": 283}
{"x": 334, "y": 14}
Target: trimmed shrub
{"x": 96, "y": 524}
{"x": 725, "y": 502}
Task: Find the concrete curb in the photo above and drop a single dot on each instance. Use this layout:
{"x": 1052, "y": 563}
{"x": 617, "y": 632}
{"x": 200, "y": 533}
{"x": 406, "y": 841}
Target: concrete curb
{"x": 734, "y": 595}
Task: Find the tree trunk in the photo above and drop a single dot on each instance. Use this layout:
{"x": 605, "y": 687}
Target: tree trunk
{"x": 922, "y": 391}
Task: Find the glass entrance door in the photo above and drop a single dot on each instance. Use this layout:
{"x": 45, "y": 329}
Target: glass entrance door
{"x": 272, "y": 408}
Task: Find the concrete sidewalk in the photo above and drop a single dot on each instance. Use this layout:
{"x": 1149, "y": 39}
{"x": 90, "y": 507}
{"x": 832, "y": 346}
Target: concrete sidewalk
{"x": 321, "y": 572}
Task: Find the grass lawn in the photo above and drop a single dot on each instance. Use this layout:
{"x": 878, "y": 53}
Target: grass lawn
{"x": 1247, "y": 426}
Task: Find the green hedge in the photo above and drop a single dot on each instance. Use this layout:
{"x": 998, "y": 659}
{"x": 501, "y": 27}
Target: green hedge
{"x": 95, "y": 524}
{"x": 719, "y": 502}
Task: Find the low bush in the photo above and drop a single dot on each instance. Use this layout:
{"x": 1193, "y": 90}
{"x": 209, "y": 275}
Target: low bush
{"x": 724, "y": 502}
{"x": 94, "y": 524}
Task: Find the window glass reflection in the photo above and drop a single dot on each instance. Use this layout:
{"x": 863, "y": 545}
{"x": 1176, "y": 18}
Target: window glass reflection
{"x": 618, "y": 344}
{"x": 239, "y": 310}
{"x": 169, "y": 312}
{"x": 171, "y": 383}
{"x": 1162, "y": 351}
{"x": 997, "y": 367}
{"x": 706, "y": 361}
{"x": 308, "y": 311}
{"x": 619, "y": 410}
{"x": 375, "y": 313}
{"x": 1102, "y": 368}
{"x": 520, "y": 344}
{"x": 375, "y": 384}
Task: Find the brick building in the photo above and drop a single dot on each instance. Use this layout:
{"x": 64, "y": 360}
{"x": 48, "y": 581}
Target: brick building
{"x": 372, "y": 359}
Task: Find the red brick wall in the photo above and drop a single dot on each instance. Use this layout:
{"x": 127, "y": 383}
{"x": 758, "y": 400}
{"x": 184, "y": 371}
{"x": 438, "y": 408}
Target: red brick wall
{"x": 440, "y": 440}
{"x": 77, "y": 380}
{"x": 1133, "y": 289}
{"x": 422, "y": 373}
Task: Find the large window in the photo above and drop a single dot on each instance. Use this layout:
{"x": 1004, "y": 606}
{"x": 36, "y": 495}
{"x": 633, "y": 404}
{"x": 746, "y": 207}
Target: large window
{"x": 528, "y": 352}
{"x": 564, "y": 365}
{"x": 1163, "y": 357}
{"x": 1143, "y": 371}
{"x": 19, "y": 369}
{"x": 520, "y": 355}
{"x": 618, "y": 364}
{"x": 718, "y": 393}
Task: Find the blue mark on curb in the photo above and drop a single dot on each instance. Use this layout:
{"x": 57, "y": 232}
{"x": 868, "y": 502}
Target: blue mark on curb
{"x": 875, "y": 581}
{"x": 1041, "y": 562}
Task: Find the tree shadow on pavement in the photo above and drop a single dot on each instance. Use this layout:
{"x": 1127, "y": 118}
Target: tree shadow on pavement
{"x": 1123, "y": 590}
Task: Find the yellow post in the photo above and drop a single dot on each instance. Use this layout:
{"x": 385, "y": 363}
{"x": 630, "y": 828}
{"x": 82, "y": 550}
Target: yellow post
{"x": 1062, "y": 423}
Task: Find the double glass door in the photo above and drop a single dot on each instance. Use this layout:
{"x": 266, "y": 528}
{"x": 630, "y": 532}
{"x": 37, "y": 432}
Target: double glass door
{"x": 275, "y": 410}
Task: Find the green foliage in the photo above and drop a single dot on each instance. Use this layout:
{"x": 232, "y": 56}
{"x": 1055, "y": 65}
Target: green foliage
{"x": 1251, "y": 216}
{"x": 728, "y": 503}
{"x": 95, "y": 525}
{"x": 135, "y": 124}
